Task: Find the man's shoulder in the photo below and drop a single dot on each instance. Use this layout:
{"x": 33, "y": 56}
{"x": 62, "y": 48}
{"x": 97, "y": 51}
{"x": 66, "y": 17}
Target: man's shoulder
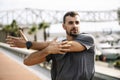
{"x": 86, "y": 35}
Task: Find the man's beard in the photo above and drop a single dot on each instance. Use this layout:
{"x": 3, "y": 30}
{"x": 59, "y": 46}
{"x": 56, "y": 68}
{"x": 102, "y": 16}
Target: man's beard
{"x": 72, "y": 33}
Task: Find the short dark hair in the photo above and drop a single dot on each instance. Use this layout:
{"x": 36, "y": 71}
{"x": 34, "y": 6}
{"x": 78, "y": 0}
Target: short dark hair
{"x": 70, "y": 13}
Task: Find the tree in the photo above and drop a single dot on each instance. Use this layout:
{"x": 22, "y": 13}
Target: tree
{"x": 118, "y": 13}
{"x": 12, "y": 28}
{"x": 7, "y": 28}
{"x": 33, "y": 30}
{"x": 1, "y": 25}
{"x": 44, "y": 25}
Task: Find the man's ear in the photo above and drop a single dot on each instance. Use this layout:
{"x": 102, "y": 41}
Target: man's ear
{"x": 63, "y": 25}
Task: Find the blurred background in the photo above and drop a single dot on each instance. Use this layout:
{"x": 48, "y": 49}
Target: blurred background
{"x": 41, "y": 20}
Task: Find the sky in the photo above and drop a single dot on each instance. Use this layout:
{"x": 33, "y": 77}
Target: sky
{"x": 81, "y": 5}
{"x": 60, "y": 4}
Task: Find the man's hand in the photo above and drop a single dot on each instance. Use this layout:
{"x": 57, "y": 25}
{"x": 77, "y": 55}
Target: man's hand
{"x": 57, "y": 47}
{"x": 19, "y": 42}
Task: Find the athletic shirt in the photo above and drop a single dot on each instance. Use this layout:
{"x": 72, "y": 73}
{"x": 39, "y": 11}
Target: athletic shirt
{"x": 75, "y": 65}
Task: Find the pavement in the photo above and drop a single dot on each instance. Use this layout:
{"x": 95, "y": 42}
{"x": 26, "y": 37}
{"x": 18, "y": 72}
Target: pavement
{"x": 11, "y": 70}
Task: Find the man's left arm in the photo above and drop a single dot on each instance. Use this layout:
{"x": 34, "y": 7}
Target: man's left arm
{"x": 74, "y": 46}
{"x": 80, "y": 44}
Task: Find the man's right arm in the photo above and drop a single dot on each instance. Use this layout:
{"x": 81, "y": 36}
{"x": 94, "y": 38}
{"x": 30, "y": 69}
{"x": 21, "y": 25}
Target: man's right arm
{"x": 40, "y": 55}
{"x": 36, "y": 57}
{"x": 21, "y": 43}
{"x": 39, "y": 45}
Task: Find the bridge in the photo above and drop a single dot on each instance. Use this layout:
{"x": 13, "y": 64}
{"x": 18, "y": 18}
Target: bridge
{"x": 29, "y": 16}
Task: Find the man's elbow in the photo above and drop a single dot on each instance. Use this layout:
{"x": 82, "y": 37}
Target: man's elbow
{"x": 26, "y": 62}
{"x": 30, "y": 62}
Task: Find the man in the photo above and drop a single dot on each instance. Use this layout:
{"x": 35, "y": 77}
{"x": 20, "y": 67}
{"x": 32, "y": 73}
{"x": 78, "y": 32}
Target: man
{"x": 72, "y": 59}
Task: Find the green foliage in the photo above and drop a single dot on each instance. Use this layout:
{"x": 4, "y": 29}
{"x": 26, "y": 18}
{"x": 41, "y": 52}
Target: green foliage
{"x": 117, "y": 63}
{"x": 12, "y": 28}
{"x": 33, "y": 29}
{"x": 7, "y": 28}
{"x": 43, "y": 25}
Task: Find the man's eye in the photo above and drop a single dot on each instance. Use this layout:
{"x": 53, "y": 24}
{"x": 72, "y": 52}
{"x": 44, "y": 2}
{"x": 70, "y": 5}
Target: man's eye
{"x": 70, "y": 22}
{"x": 77, "y": 22}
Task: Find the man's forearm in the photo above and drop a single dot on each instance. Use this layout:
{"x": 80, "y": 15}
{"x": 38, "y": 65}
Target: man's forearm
{"x": 36, "y": 57}
{"x": 39, "y": 45}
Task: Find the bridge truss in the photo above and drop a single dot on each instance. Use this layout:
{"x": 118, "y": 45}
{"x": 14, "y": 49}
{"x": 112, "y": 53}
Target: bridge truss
{"x": 29, "y": 16}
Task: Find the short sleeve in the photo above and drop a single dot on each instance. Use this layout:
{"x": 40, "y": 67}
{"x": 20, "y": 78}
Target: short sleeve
{"x": 49, "y": 57}
{"x": 86, "y": 40}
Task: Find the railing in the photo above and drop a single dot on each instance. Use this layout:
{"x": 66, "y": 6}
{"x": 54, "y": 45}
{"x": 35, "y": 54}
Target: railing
{"x": 24, "y": 52}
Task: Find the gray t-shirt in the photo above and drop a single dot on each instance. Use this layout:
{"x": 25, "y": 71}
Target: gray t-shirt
{"x": 75, "y": 65}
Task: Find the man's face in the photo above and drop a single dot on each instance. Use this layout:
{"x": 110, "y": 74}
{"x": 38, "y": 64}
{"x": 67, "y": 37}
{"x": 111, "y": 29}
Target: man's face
{"x": 72, "y": 25}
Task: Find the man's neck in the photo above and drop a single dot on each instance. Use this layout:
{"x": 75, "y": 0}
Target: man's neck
{"x": 69, "y": 38}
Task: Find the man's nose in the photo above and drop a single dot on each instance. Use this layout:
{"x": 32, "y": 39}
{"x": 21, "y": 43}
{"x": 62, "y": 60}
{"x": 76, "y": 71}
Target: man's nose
{"x": 75, "y": 25}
